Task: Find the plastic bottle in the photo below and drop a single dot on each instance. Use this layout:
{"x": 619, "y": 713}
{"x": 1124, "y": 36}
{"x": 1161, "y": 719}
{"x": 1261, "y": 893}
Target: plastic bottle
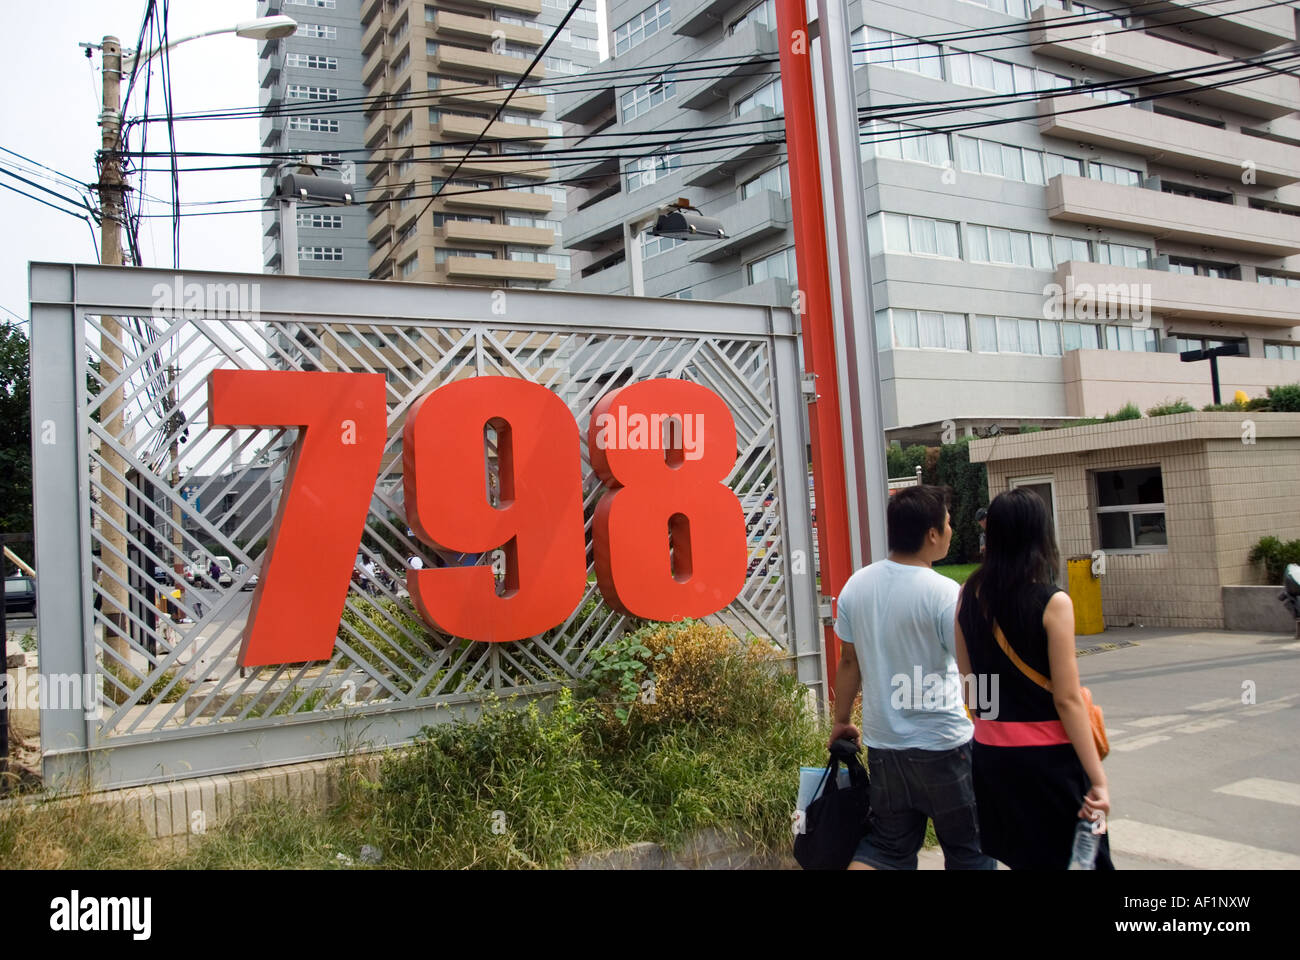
{"x": 1086, "y": 841}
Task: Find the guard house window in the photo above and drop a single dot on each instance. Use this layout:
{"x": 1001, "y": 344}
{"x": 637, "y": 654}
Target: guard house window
{"x": 1131, "y": 509}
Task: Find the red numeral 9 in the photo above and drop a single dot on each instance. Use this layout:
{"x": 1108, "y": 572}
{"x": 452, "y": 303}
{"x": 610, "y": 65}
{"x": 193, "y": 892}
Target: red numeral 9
{"x": 669, "y": 537}
{"x": 539, "y": 522}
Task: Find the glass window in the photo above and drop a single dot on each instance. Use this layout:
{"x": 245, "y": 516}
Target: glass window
{"x": 905, "y": 330}
{"x": 1131, "y": 509}
{"x": 954, "y": 328}
{"x": 1029, "y": 337}
{"x": 1008, "y": 335}
{"x": 1050, "y": 332}
{"x": 931, "y": 329}
{"x": 947, "y": 237}
{"x": 986, "y": 334}
{"x": 896, "y": 233}
{"x": 644, "y": 25}
{"x": 977, "y": 239}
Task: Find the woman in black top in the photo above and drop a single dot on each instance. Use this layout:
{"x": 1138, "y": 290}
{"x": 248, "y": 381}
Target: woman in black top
{"x": 1033, "y": 758}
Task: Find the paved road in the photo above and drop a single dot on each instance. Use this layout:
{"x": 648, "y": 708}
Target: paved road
{"x": 1199, "y": 779}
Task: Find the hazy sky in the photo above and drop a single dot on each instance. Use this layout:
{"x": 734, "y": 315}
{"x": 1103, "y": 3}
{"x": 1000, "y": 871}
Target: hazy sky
{"x": 50, "y": 113}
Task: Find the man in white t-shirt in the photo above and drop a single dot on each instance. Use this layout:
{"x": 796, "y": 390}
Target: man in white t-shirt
{"x": 895, "y": 618}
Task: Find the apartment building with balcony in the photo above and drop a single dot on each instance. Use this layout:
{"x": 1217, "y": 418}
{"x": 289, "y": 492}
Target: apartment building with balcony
{"x": 435, "y": 74}
{"x": 307, "y": 82}
{"x": 1038, "y": 252}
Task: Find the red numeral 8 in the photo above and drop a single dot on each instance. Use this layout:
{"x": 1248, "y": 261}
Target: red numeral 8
{"x": 669, "y": 536}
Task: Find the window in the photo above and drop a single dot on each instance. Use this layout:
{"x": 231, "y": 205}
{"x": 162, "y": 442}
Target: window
{"x": 925, "y": 329}
{"x": 441, "y": 254}
{"x": 1018, "y": 335}
{"x": 314, "y": 124}
{"x": 768, "y": 95}
{"x": 1068, "y": 248}
{"x": 541, "y": 223}
{"x": 321, "y": 221}
{"x": 401, "y": 63}
{"x": 1055, "y": 165}
{"x": 1093, "y": 336}
{"x": 915, "y": 235}
{"x": 557, "y": 65}
{"x": 1015, "y": 247}
{"x": 683, "y": 294}
{"x": 893, "y": 50}
{"x": 561, "y": 260}
{"x": 302, "y": 91}
{"x": 411, "y": 265}
{"x": 1199, "y": 193}
{"x": 780, "y": 264}
{"x": 763, "y": 14}
{"x": 1000, "y": 76}
{"x": 644, "y": 25}
{"x": 1014, "y": 8}
{"x": 1000, "y": 160}
{"x": 1131, "y": 509}
{"x": 1276, "y": 280}
{"x": 1281, "y": 351}
{"x": 652, "y": 246}
{"x": 322, "y": 4}
{"x": 320, "y": 253}
{"x": 403, "y": 130}
{"x": 318, "y": 31}
{"x": 1121, "y": 255}
{"x": 1110, "y": 173}
{"x": 901, "y": 141}
{"x": 441, "y": 219}
{"x": 312, "y": 61}
{"x": 646, "y": 97}
{"x": 1183, "y": 344}
{"x": 1204, "y": 268}
{"x": 775, "y": 178}
{"x": 646, "y": 170}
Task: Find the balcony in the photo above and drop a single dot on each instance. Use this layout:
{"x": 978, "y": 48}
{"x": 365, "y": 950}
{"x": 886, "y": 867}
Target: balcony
{"x": 377, "y": 130}
{"x": 370, "y": 9}
{"x": 723, "y": 165}
{"x": 372, "y": 35}
{"x": 586, "y": 106}
{"x": 448, "y": 24}
{"x": 1136, "y": 54}
{"x": 744, "y": 52}
{"x": 462, "y": 128}
{"x": 457, "y": 230}
{"x": 530, "y": 7}
{"x": 1175, "y": 295}
{"x": 1179, "y": 143}
{"x": 1169, "y": 216}
{"x": 691, "y": 17}
{"x": 493, "y": 165}
{"x": 763, "y": 215}
{"x": 1247, "y": 22}
{"x": 501, "y": 200}
{"x": 597, "y": 225}
{"x": 475, "y": 94}
{"x": 483, "y": 268}
{"x": 375, "y": 66}
{"x": 271, "y": 77}
{"x": 450, "y": 59}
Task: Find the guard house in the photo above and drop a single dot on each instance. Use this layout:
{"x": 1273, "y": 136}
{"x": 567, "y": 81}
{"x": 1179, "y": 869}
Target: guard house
{"x": 1175, "y": 502}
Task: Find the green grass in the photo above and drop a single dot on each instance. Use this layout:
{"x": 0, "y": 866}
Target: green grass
{"x": 957, "y": 571}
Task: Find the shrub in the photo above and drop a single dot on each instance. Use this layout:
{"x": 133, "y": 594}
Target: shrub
{"x": 1284, "y": 399}
{"x": 1129, "y": 411}
{"x": 903, "y": 461}
{"x": 970, "y": 491}
{"x": 1224, "y": 407}
{"x": 1274, "y": 554}
{"x": 1170, "y": 407}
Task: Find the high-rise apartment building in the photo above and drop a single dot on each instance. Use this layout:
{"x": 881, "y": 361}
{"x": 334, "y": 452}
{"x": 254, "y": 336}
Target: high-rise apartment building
{"x": 1076, "y": 193}
{"x": 404, "y": 89}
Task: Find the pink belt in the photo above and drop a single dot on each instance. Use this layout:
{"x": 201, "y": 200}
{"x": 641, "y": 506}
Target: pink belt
{"x": 1026, "y": 733}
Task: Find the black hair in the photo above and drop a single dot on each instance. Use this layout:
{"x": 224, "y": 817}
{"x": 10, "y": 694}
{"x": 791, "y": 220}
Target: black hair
{"x": 913, "y": 512}
{"x": 1019, "y": 550}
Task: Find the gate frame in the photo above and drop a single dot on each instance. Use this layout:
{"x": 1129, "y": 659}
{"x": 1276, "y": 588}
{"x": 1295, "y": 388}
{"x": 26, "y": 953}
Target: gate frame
{"x": 61, "y": 294}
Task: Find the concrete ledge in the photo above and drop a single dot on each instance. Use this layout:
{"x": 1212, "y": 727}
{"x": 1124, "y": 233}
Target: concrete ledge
{"x": 707, "y": 849}
{"x": 1257, "y": 609}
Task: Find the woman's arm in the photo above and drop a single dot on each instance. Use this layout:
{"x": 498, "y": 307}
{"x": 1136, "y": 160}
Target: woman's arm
{"x": 963, "y": 658}
{"x": 1058, "y": 621}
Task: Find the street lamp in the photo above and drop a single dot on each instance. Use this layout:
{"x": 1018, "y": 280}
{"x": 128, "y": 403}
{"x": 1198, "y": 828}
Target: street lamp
{"x": 677, "y": 221}
{"x": 111, "y": 189}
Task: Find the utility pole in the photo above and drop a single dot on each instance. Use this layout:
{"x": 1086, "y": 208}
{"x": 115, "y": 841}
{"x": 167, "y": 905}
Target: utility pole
{"x": 112, "y": 499}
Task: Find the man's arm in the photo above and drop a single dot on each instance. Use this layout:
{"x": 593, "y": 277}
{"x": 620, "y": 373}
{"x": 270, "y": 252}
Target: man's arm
{"x": 848, "y": 683}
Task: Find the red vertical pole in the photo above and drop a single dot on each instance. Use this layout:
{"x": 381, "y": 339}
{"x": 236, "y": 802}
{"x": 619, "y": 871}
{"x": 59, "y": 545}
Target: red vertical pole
{"x": 817, "y": 321}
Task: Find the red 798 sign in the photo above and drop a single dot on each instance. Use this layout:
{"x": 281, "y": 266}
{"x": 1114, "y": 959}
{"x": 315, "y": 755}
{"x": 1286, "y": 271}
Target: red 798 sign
{"x": 668, "y": 534}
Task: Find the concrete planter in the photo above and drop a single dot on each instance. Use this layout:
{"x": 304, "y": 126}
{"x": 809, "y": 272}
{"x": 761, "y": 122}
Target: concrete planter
{"x": 1257, "y": 609}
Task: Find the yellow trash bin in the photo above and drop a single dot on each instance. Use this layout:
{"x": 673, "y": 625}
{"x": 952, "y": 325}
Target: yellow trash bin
{"x": 1085, "y": 593}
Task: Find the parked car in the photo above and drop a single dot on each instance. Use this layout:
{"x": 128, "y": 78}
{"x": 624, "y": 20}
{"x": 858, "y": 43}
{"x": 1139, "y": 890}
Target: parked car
{"x": 227, "y": 575}
{"x": 251, "y": 582}
{"x": 20, "y": 595}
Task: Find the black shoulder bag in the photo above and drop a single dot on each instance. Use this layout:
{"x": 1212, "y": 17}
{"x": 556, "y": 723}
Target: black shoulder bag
{"x": 834, "y": 823}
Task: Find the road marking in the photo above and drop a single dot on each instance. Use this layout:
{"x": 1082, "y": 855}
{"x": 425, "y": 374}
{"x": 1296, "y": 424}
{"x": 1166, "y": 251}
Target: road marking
{"x": 1157, "y": 721}
{"x": 1139, "y": 743}
{"x": 1193, "y": 850}
{"x": 1261, "y": 788}
{"x": 1111, "y": 734}
{"x": 1269, "y": 706}
{"x": 1209, "y": 723}
{"x": 1219, "y": 704}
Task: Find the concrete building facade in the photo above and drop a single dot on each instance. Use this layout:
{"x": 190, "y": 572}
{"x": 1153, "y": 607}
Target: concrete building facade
{"x": 404, "y": 88}
{"x": 1051, "y": 223}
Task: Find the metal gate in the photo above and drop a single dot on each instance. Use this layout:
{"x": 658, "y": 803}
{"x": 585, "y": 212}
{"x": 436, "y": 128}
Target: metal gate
{"x": 136, "y": 493}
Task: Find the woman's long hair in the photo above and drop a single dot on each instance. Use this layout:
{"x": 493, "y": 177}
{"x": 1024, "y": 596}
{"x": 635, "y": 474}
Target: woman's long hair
{"x": 1019, "y": 550}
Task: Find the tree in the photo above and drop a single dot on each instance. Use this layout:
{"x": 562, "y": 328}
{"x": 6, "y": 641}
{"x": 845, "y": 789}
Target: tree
{"x": 970, "y": 491}
{"x": 15, "y": 435}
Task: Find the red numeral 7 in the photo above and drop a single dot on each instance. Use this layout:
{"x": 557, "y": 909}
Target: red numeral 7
{"x": 342, "y": 421}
